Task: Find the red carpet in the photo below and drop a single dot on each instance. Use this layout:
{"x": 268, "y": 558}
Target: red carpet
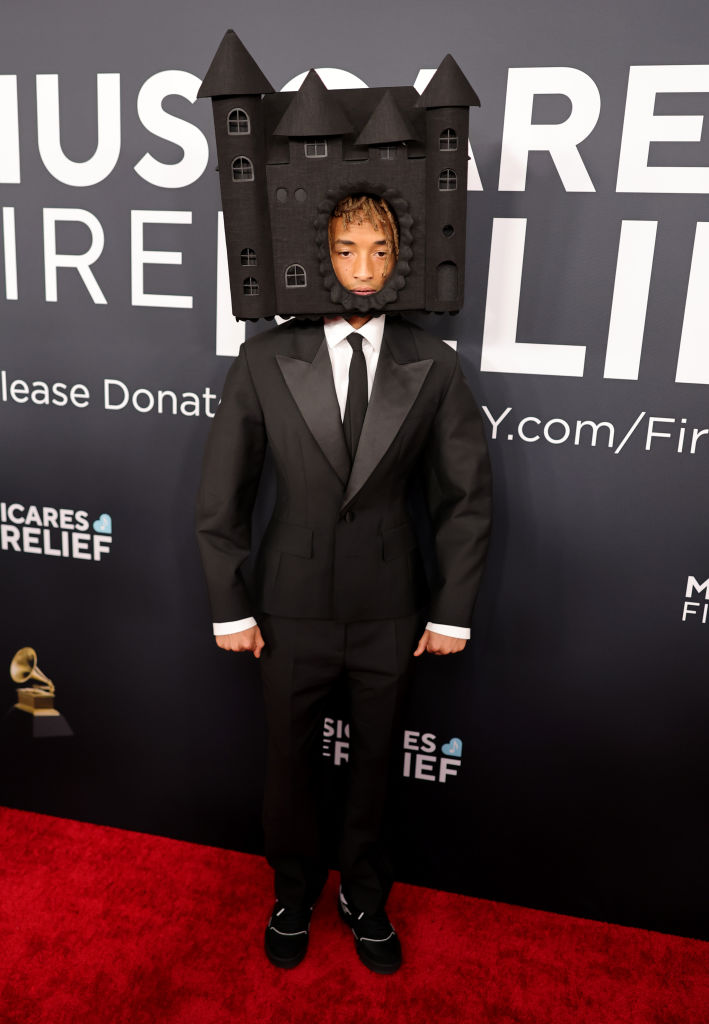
{"x": 101, "y": 925}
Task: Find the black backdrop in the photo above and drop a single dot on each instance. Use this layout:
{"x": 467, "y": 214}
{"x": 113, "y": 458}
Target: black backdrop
{"x": 581, "y": 705}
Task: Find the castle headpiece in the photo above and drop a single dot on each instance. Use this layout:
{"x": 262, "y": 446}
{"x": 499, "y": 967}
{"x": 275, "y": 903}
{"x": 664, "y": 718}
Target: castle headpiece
{"x": 286, "y": 159}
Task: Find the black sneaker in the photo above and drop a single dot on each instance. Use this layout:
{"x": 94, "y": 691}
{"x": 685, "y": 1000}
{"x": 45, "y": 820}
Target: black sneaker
{"x": 286, "y": 939}
{"x": 376, "y": 942}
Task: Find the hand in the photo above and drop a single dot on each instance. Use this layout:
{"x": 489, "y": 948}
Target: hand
{"x": 436, "y": 643}
{"x": 244, "y": 640}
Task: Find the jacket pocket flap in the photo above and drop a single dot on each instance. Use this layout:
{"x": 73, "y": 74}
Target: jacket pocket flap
{"x": 292, "y": 539}
{"x": 398, "y": 541}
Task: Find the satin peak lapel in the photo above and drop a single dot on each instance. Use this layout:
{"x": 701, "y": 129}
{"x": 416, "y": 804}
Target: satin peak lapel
{"x": 396, "y": 388}
{"x": 313, "y": 390}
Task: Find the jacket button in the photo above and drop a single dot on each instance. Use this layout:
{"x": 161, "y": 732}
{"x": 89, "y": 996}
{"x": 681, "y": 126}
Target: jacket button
{"x": 348, "y": 516}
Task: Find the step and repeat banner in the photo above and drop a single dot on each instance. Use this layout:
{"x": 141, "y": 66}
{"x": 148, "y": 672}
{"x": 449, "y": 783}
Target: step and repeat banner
{"x": 560, "y": 761}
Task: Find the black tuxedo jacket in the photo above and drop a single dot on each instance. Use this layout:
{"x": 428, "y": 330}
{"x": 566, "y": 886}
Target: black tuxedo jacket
{"x": 340, "y": 544}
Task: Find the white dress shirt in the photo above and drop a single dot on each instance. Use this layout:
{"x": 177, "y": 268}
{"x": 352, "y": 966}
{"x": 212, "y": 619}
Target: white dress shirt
{"x": 337, "y": 331}
{"x": 340, "y": 351}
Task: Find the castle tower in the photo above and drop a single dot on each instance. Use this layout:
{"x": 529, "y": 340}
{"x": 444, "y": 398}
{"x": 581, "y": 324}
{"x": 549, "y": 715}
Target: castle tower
{"x": 388, "y": 134}
{"x": 285, "y": 158}
{"x": 236, "y": 84}
{"x": 314, "y": 123}
{"x": 446, "y": 100}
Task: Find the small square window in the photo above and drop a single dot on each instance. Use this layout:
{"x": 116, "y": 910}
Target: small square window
{"x": 316, "y": 148}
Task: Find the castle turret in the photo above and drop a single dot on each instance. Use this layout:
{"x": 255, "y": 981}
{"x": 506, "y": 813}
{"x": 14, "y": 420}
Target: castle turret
{"x": 386, "y": 126}
{"x": 446, "y": 100}
{"x": 236, "y": 85}
{"x": 313, "y": 111}
{"x": 314, "y": 123}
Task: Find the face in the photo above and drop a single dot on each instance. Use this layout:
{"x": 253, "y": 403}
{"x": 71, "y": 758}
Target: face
{"x": 362, "y": 255}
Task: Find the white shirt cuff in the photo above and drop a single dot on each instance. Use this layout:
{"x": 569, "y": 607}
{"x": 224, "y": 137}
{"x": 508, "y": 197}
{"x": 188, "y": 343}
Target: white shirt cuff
{"x": 457, "y": 632}
{"x": 222, "y": 628}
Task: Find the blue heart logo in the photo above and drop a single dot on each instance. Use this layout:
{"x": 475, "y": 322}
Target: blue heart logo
{"x": 454, "y": 748}
{"x": 103, "y": 524}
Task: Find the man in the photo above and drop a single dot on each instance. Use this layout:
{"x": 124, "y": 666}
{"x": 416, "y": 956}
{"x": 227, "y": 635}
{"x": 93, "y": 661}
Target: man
{"x": 352, "y": 410}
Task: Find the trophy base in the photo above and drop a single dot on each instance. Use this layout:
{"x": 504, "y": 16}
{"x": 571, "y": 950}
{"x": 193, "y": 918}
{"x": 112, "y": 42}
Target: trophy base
{"x": 38, "y": 723}
{"x": 35, "y": 700}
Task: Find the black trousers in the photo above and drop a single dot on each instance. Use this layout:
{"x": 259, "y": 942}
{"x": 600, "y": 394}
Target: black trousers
{"x": 301, "y": 664}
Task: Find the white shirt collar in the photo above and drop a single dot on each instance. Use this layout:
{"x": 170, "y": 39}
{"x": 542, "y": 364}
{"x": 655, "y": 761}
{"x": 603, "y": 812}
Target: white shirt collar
{"x": 337, "y": 329}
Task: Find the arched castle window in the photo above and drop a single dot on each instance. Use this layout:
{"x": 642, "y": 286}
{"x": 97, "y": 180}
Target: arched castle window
{"x": 447, "y": 281}
{"x": 242, "y": 169}
{"x": 295, "y": 276}
{"x": 250, "y": 286}
{"x": 447, "y": 180}
{"x": 387, "y": 152}
{"x": 448, "y": 141}
{"x": 248, "y": 257}
{"x": 238, "y": 122}
{"x": 316, "y": 147}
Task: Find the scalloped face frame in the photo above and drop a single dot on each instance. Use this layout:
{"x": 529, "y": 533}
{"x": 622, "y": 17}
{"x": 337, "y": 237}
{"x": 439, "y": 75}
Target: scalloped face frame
{"x": 347, "y": 301}
{"x": 286, "y": 159}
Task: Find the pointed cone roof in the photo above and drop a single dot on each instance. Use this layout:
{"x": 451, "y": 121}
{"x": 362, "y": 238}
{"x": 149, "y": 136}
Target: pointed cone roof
{"x": 387, "y": 124}
{"x": 313, "y": 111}
{"x": 448, "y": 88}
{"x": 233, "y": 71}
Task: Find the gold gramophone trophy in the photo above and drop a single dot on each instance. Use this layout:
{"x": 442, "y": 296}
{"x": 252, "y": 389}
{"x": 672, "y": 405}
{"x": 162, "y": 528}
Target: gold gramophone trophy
{"x": 37, "y": 699}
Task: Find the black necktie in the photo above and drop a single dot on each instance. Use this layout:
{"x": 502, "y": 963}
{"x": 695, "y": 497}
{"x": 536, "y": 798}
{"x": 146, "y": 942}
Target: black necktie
{"x": 356, "y": 406}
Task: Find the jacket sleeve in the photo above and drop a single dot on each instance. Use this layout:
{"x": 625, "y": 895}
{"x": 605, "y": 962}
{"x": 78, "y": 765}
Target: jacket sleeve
{"x": 231, "y": 470}
{"x": 459, "y": 493}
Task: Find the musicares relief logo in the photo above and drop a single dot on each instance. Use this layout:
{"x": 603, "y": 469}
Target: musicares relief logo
{"x": 56, "y": 532}
{"x": 424, "y": 758}
{"x": 696, "y": 600}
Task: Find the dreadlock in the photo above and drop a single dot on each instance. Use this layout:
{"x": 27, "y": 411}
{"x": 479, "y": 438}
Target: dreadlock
{"x": 357, "y": 209}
